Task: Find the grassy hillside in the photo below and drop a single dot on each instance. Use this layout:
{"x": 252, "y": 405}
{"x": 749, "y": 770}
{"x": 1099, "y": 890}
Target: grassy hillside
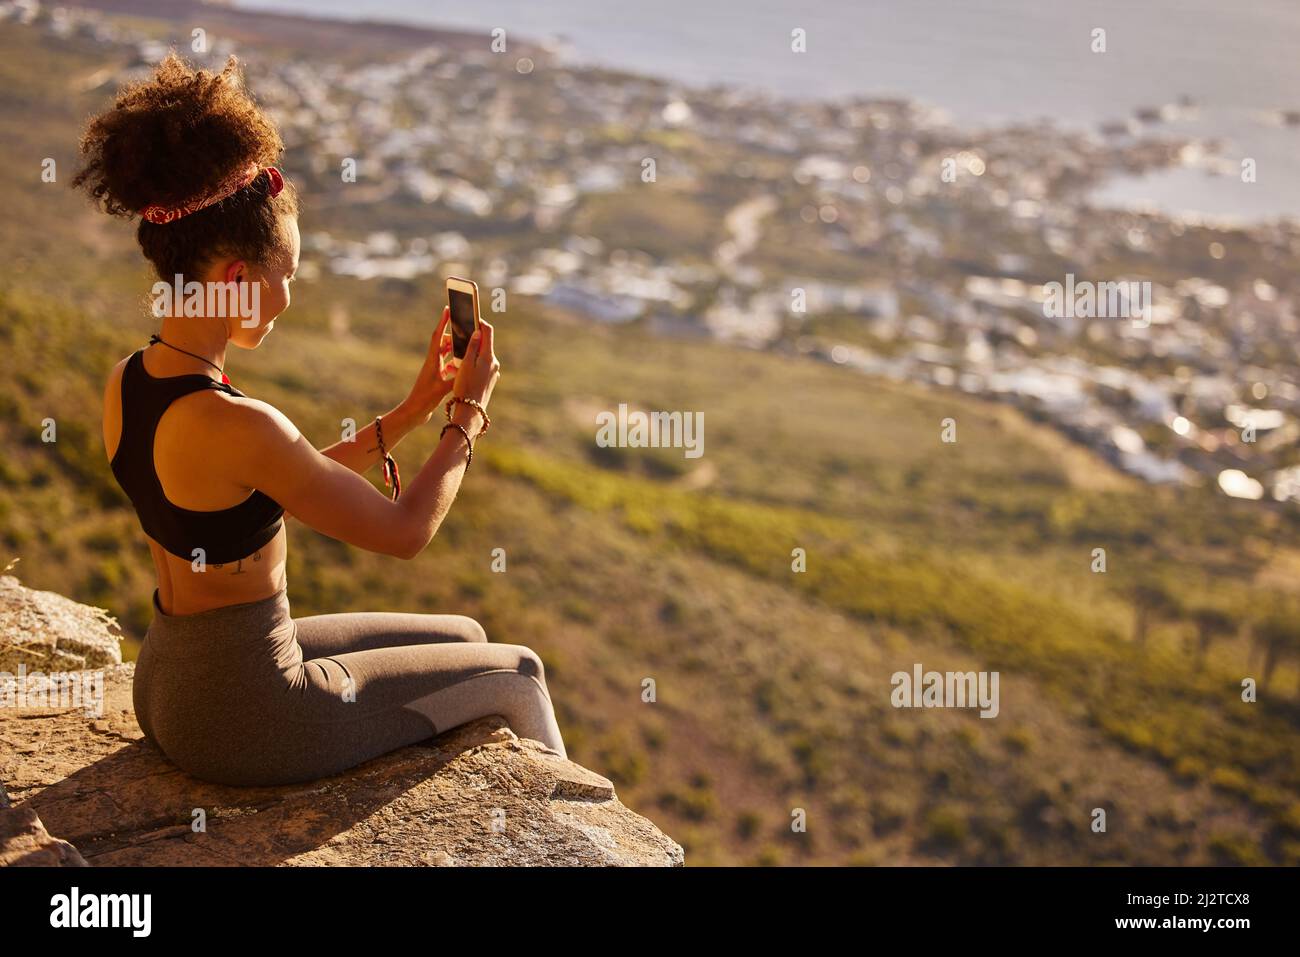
{"x": 773, "y": 690}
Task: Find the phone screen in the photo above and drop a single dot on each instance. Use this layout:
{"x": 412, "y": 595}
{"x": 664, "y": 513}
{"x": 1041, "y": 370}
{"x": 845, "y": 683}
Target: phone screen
{"x": 462, "y": 321}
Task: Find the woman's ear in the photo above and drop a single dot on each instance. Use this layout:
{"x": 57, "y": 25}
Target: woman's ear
{"x": 236, "y": 270}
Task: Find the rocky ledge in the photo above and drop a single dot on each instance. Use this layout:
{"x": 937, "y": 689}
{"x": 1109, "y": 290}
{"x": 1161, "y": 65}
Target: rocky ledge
{"x": 477, "y": 795}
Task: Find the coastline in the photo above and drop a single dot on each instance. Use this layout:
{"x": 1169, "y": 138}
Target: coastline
{"x": 1070, "y": 88}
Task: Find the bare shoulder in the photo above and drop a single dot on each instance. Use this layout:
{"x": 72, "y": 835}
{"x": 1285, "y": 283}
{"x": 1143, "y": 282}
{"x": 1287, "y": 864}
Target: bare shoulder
{"x": 113, "y": 387}
{"x": 261, "y": 447}
{"x": 246, "y": 427}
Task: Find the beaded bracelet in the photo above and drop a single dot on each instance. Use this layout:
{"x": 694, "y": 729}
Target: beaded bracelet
{"x": 476, "y": 406}
{"x": 464, "y": 432}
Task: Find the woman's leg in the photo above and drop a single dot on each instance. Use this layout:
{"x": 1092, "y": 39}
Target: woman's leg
{"x": 334, "y": 634}
{"x": 235, "y": 698}
{"x": 355, "y": 706}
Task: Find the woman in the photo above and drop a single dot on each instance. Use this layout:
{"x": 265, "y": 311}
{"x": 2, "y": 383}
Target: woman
{"x": 228, "y": 685}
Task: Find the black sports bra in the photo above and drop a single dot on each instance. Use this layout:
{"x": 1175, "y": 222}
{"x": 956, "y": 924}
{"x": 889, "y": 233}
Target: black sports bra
{"x": 225, "y": 535}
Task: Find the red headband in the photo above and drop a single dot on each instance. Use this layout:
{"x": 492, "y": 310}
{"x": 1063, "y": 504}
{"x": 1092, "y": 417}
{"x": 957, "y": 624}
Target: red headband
{"x": 163, "y": 214}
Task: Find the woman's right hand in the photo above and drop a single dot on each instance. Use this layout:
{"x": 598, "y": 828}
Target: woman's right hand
{"x": 477, "y": 375}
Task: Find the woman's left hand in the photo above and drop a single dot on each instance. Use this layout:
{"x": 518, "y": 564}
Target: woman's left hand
{"x": 430, "y": 388}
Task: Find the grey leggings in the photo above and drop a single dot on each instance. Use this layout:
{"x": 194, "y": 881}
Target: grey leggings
{"x": 246, "y": 695}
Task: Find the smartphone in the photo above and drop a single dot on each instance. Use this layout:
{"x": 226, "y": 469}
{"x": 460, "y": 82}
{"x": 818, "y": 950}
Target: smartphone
{"x": 462, "y": 301}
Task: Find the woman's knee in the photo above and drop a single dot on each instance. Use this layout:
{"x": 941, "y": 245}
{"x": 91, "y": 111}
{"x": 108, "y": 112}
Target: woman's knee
{"x": 529, "y": 663}
{"x": 468, "y": 629}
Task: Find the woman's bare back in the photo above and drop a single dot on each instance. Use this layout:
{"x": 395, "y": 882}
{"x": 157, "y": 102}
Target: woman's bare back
{"x": 182, "y": 463}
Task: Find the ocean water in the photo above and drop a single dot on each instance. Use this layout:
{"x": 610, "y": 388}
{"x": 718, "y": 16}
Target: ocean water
{"x": 984, "y": 62}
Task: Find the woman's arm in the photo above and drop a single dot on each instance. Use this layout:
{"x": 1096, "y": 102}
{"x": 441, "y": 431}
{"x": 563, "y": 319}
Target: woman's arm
{"x": 267, "y": 452}
{"x": 362, "y": 451}
{"x": 277, "y": 459}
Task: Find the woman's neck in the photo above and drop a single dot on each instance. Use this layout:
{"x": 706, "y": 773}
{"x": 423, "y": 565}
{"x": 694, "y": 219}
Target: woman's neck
{"x": 200, "y": 335}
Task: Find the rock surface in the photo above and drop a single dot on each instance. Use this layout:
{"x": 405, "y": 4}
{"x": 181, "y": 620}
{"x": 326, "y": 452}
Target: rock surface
{"x": 24, "y": 842}
{"x": 43, "y": 630}
{"x": 477, "y": 795}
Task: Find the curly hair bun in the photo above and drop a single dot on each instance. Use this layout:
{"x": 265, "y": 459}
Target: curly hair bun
{"x": 173, "y": 137}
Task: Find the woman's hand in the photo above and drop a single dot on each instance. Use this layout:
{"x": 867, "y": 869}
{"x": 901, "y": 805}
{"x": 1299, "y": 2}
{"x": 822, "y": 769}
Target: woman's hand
{"x": 477, "y": 376}
{"x": 430, "y": 388}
